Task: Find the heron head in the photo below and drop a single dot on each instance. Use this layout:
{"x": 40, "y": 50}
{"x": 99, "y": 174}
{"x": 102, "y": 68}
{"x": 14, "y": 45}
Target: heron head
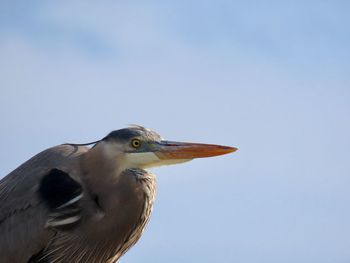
{"x": 139, "y": 147}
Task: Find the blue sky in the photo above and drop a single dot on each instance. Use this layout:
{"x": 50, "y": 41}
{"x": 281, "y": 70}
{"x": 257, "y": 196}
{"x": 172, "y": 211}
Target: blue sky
{"x": 271, "y": 78}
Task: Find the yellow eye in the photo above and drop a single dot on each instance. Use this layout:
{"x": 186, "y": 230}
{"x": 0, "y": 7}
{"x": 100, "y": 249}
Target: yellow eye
{"x": 136, "y": 143}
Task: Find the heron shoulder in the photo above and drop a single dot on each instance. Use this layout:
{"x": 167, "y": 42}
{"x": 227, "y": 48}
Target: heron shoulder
{"x": 61, "y": 194}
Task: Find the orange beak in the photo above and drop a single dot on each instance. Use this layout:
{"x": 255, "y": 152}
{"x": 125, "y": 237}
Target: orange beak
{"x": 182, "y": 150}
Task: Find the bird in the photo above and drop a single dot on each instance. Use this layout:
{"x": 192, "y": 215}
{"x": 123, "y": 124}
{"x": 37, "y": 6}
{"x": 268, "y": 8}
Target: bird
{"x": 87, "y": 202}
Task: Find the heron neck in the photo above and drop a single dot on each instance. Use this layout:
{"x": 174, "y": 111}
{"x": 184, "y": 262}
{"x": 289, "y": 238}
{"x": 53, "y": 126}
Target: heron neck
{"x": 100, "y": 167}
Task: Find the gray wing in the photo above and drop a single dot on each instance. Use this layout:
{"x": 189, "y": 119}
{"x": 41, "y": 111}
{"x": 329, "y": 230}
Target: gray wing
{"x": 37, "y": 198}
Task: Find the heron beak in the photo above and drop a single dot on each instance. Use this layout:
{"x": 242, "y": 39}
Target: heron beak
{"x": 186, "y": 151}
{"x": 168, "y": 153}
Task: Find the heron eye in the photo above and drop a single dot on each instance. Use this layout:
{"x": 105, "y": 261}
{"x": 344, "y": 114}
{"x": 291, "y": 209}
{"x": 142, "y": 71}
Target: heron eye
{"x": 136, "y": 143}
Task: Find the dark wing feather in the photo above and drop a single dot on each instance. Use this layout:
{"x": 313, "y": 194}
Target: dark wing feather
{"x": 26, "y": 206}
{"x": 61, "y": 194}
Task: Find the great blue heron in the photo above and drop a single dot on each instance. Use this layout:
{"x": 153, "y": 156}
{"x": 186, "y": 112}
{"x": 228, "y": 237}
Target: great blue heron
{"x": 71, "y": 203}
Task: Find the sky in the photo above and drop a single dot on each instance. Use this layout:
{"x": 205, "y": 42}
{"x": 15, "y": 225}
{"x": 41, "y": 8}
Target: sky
{"x": 269, "y": 77}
